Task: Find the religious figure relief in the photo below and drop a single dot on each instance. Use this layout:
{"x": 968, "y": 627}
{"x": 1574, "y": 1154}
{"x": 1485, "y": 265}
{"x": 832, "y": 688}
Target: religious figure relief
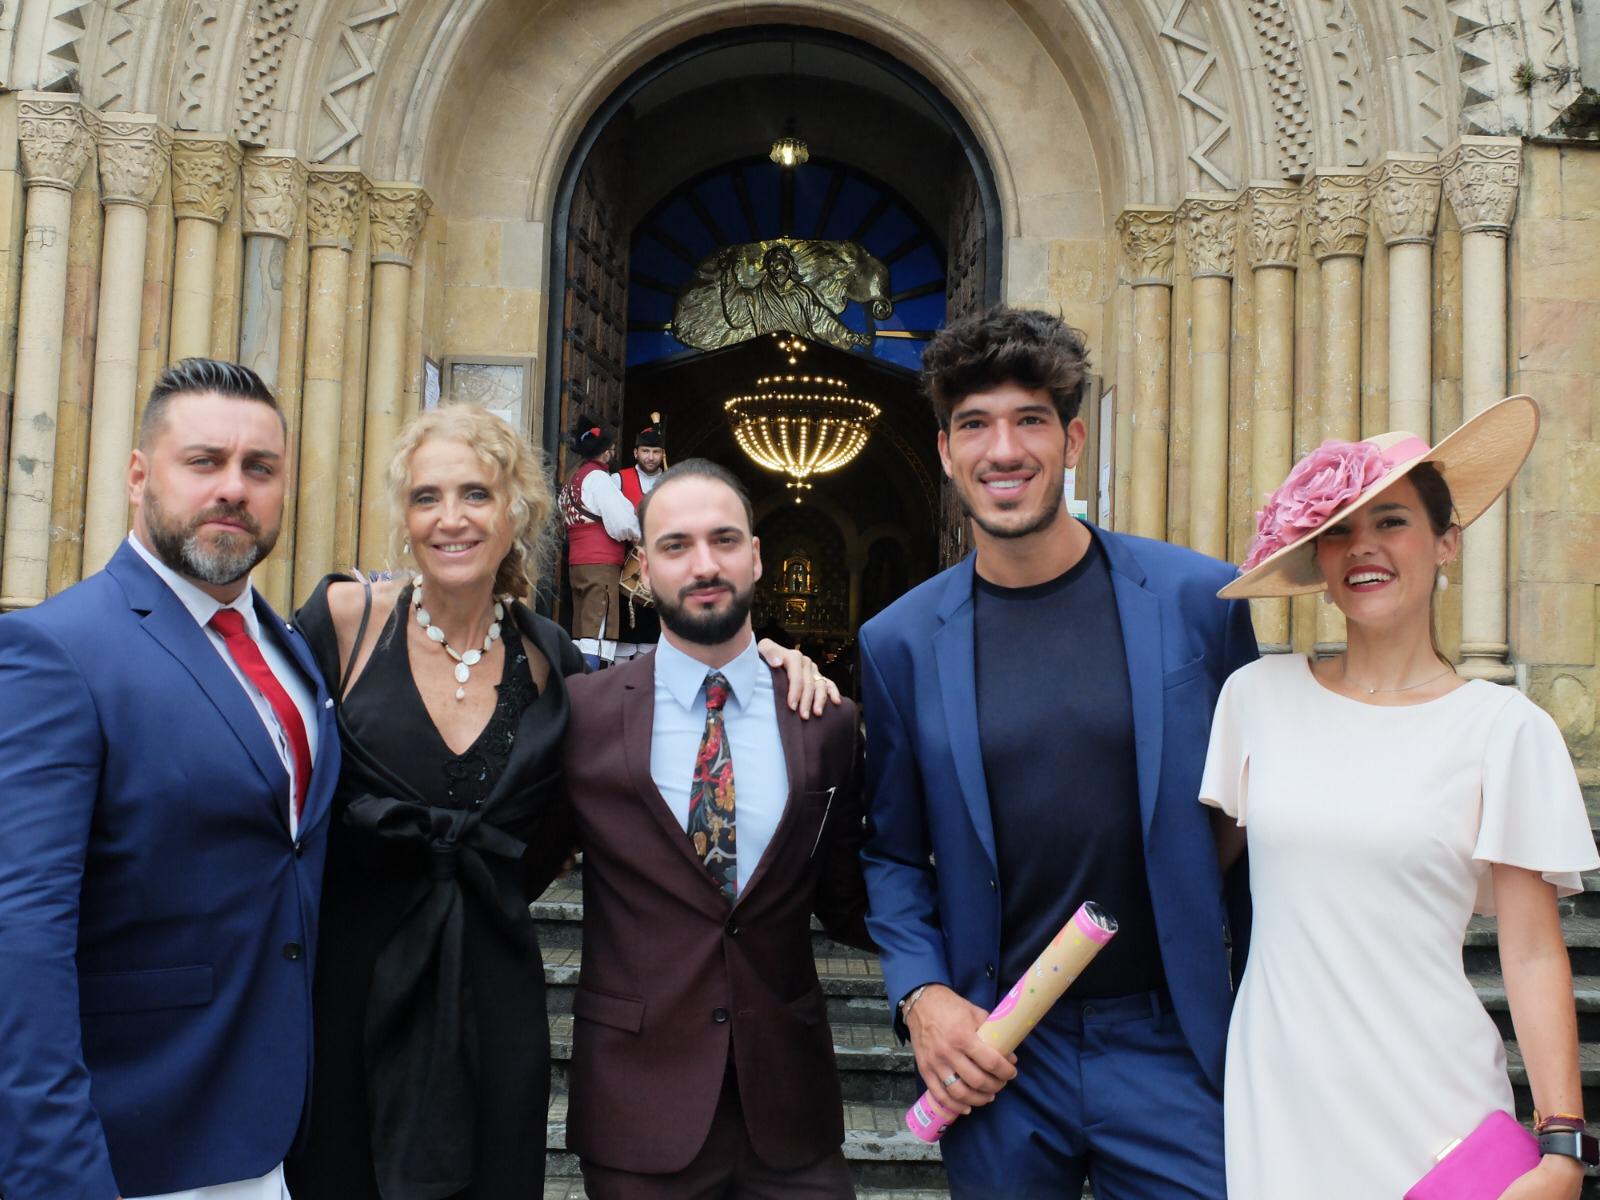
{"x": 783, "y": 285}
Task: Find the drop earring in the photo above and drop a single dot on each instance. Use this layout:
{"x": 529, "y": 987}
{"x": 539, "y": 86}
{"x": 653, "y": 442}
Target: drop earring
{"x": 1327, "y": 596}
{"x": 1441, "y": 581}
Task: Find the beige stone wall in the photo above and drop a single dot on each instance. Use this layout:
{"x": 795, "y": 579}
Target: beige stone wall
{"x": 1555, "y": 339}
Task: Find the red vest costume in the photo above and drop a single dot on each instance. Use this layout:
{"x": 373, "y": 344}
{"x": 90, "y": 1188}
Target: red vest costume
{"x": 587, "y": 540}
{"x": 631, "y": 487}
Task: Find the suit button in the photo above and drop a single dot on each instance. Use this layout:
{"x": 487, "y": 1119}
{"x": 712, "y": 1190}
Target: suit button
{"x": 299, "y": 849}
{"x": 992, "y": 886}
{"x": 732, "y": 927}
{"x": 291, "y": 950}
{"x": 989, "y": 970}
{"x": 719, "y": 1015}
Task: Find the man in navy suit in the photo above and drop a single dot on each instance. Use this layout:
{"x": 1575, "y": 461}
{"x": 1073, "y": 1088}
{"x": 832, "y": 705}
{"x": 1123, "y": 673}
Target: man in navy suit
{"x": 1037, "y": 721}
{"x": 167, "y": 757}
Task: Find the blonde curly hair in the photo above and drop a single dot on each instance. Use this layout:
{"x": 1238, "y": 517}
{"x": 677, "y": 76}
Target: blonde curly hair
{"x": 517, "y": 473}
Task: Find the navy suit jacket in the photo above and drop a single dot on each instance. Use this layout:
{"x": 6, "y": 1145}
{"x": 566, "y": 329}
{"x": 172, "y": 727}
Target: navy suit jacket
{"x": 930, "y": 860}
{"x": 157, "y": 921}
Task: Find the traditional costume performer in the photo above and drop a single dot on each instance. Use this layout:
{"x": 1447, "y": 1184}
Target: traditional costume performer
{"x": 599, "y": 522}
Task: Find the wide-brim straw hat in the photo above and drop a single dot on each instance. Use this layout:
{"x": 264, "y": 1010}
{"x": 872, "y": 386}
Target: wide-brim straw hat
{"x": 1477, "y": 461}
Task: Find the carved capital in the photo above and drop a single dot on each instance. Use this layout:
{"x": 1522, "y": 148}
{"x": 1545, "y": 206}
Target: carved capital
{"x": 1481, "y": 175}
{"x": 1147, "y": 234}
{"x": 133, "y": 150}
{"x": 1405, "y": 198}
{"x": 1210, "y": 231}
{"x": 334, "y": 197}
{"x": 274, "y": 186}
{"x": 205, "y": 171}
{"x": 397, "y": 211}
{"x": 1339, "y": 211}
{"x": 1272, "y": 237}
{"x": 55, "y": 140}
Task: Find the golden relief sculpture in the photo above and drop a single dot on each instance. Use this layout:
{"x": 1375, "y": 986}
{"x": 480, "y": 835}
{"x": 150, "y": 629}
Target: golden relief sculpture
{"x": 782, "y": 285}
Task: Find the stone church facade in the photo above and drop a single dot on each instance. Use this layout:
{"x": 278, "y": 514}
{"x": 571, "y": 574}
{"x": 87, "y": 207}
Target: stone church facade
{"x": 1276, "y": 220}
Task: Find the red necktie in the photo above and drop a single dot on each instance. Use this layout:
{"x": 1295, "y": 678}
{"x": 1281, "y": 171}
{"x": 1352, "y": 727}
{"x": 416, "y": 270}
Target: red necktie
{"x": 230, "y": 624}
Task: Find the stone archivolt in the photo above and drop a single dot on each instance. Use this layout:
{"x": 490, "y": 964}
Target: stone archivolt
{"x": 1210, "y": 229}
{"x": 1272, "y": 236}
{"x": 1339, "y": 215}
{"x": 1147, "y": 236}
{"x": 55, "y": 141}
{"x": 1203, "y": 154}
{"x": 258, "y": 80}
{"x": 1291, "y": 114}
{"x": 203, "y": 178}
{"x": 1405, "y": 198}
{"x": 333, "y": 205}
{"x": 397, "y": 213}
{"x": 1480, "y": 179}
{"x": 274, "y": 184}
{"x": 133, "y": 153}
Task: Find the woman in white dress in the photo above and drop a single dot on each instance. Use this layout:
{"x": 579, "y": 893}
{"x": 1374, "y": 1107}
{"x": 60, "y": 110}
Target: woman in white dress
{"x": 1385, "y": 799}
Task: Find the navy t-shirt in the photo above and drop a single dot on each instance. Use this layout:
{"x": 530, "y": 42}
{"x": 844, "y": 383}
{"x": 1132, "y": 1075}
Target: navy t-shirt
{"x": 1055, "y": 720}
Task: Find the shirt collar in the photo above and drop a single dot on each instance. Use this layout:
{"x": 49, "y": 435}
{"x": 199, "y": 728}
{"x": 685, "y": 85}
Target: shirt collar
{"x": 201, "y": 605}
{"x": 684, "y": 677}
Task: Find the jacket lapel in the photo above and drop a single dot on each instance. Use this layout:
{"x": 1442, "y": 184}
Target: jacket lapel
{"x": 170, "y": 624}
{"x": 324, "y": 771}
{"x": 1140, "y": 613}
{"x": 953, "y": 651}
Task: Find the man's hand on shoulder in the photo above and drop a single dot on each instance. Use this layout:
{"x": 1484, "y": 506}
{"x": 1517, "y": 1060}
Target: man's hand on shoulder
{"x": 944, "y": 1037}
{"x": 810, "y": 691}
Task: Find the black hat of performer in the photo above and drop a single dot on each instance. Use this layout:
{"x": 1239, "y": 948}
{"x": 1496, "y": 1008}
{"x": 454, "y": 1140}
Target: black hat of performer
{"x": 650, "y": 435}
{"x": 589, "y": 439}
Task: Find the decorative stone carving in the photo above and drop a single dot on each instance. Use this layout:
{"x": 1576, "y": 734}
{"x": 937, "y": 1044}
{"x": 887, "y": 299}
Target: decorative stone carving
{"x": 63, "y": 38}
{"x": 55, "y": 141}
{"x": 1291, "y": 114}
{"x": 204, "y": 173}
{"x": 1517, "y": 69}
{"x": 1423, "y": 40}
{"x": 1405, "y": 198}
{"x": 1272, "y": 238}
{"x": 357, "y": 63}
{"x": 397, "y": 212}
{"x": 274, "y": 185}
{"x": 119, "y": 39}
{"x": 194, "y": 67}
{"x": 1342, "y": 36}
{"x": 258, "y": 81}
{"x": 1210, "y": 229}
{"x": 1480, "y": 179}
{"x": 133, "y": 151}
{"x": 333, "y": 205}
{"x": 1339, "y": 212}
{"x": 1147, "y": 235}
{"x": 1203, "y": 154}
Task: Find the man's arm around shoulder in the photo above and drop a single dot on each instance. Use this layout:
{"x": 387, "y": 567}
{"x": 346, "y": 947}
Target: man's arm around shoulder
{"x": 52, "y": 1146}
{"x": 841, "y": 897}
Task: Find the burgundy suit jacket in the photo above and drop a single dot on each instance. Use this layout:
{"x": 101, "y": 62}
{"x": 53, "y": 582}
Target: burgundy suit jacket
{"x": 675, "y": 979}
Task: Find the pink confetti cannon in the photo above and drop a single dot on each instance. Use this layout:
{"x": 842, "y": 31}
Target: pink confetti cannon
{"x": 1041, "y": 985}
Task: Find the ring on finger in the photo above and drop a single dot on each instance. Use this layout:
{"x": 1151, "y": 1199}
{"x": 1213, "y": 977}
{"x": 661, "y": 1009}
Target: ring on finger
{"x": 951, "y": 1080}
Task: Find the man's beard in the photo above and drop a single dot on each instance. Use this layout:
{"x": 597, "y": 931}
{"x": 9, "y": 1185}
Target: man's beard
{"x": 227, "y": 559}
{"x": 710, "y": 628}
{"x": 1039, "y": 521}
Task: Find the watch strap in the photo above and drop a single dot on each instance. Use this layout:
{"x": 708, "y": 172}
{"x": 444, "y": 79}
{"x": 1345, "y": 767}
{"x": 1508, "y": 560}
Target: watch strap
{"x": 1571, "y": 1144}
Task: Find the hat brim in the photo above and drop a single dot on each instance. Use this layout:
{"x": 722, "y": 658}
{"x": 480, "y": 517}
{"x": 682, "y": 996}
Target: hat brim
{"x": 1478, "y": 462}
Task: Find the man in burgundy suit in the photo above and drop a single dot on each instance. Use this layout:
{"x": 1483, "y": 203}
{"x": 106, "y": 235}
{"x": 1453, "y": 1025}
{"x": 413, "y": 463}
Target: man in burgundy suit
{"x": 712, "y": 829}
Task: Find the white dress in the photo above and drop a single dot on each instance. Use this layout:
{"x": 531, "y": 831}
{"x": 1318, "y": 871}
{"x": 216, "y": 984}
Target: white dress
{"x": 1358, "y": 1049}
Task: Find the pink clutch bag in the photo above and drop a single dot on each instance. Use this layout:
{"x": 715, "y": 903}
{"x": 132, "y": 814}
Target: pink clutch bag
{"x": 1481, "y": 1165}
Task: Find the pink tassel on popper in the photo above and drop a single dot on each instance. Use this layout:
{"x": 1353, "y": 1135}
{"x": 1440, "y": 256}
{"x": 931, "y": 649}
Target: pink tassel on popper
{"x": 1062, "y": 961}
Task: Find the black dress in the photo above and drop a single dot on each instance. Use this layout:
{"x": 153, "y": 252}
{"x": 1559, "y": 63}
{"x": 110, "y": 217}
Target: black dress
{"x": 432, "y": 1068}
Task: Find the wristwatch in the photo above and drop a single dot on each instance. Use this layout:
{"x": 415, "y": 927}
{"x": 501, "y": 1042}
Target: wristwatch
{"x": 1571, "y": 1144}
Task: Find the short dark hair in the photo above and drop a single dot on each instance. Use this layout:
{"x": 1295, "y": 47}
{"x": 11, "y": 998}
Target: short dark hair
{"x": 702, "y": 468}
{"x": 1001, "y": 345}
{"x": 191, "y": 375}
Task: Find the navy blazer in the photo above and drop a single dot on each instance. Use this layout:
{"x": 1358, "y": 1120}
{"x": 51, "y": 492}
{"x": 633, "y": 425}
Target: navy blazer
{"x": 157, "y": 921}
{"x": 930, "y": 857}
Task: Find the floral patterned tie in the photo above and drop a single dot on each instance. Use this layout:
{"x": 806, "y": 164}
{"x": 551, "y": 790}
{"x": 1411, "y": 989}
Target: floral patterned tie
{"x": 711, "y": 794}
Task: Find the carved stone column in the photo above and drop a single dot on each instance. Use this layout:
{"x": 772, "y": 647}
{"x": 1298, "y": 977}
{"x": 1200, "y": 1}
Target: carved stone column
{"x": 205, "y": 172}
{"x": 1405, "y": 197}
{"x": 55, "y": 145}
{"x": 133, "y": 157}
{"x": 1272, "y": 242}
{"x": 397, "y": 211}
{"x": 1147, "y": 235}
{"x": 1210, "y": 225}
{"x": 1340, "y": 213}
{"x": 1480, "y": 178}
{"x": 334, "y": 199}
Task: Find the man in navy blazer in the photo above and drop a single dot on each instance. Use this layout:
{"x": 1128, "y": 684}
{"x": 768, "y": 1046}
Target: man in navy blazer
{"x": 1037, "y": 720}
{"x": 167, "y": 757}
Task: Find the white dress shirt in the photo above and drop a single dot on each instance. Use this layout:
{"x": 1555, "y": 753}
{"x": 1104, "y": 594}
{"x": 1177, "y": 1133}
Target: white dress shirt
{"x": 602, "y": 495}
{"x": 750, "y": 719}
{"x": 202, "y": 607}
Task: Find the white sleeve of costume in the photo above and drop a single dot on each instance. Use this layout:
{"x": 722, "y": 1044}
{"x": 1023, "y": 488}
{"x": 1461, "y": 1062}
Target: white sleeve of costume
{"x": 602, "y": 495}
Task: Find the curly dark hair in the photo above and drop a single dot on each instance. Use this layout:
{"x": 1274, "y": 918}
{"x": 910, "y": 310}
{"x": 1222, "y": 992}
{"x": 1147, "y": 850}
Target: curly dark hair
{"x": 1001, "y": 345}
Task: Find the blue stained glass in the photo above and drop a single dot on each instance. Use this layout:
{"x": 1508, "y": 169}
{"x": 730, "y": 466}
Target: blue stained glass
{"x": 921, "y": 266}
{"x": 723, "y": 203}
{"x": 679, "y": 221}
{"x": 889, "y": 230}
{"x": 647, "y": 304}
{"x": 855, "y": 199}
{"x": 924, "y": 312}
{"x": 651, "y": 258}
{"x": 902, "y": 352}
{"x": 648, "y": 347}
{"x": 762, "y": 181}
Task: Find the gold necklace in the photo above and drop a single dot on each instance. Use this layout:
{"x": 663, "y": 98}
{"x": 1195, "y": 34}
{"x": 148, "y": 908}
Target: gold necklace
{"x": 1410, "y": 687}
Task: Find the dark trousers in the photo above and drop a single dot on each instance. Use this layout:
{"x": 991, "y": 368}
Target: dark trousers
{"x": 725, "y": 1169}
{"x": 1106, "y": 1089}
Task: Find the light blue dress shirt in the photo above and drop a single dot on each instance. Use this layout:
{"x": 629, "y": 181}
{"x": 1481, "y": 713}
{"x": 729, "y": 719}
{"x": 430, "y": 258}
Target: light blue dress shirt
{"x": 750, "y": 717}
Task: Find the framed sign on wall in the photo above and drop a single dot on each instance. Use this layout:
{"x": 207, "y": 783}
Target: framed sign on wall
{"x": 499, "y": 382}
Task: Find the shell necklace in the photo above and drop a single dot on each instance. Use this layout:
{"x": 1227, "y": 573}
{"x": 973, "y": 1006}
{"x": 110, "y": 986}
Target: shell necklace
{"x": 465, "y": 661}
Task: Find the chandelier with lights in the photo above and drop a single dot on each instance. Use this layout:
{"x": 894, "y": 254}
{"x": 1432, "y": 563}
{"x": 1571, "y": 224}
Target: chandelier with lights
{"x": 800, "y": 425}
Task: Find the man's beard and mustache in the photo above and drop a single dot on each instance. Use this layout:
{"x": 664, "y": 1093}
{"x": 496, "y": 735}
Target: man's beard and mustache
{"x": 1042, "y": 519}
{"x": 224, "y": 559}
{"x": 710, "y": 628}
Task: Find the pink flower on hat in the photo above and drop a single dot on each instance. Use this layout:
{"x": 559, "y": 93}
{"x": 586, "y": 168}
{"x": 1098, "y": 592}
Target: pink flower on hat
{"x": 1320, "y": 484}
